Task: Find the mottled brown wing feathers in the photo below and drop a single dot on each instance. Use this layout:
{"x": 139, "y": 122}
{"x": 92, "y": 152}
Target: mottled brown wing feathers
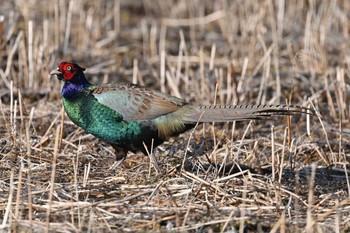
{"x": 136, "y": 103}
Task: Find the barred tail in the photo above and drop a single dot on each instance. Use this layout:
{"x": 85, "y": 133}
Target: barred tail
{"x": 225, "y": 113}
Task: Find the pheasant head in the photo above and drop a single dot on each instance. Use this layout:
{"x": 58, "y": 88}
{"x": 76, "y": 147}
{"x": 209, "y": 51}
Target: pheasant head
{"x": 73, "y": 76}
{"x": 68, "y": 71}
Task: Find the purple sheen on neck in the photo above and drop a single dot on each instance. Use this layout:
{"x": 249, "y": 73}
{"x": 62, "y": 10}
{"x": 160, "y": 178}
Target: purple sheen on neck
{"x": 70, "y": 89}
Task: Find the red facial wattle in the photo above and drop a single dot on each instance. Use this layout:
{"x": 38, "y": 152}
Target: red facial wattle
{"x": 68, "y": 75}
{"x": 68, "y": 70}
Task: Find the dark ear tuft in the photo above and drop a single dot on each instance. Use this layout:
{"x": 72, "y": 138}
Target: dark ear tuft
{"x": 79, "y": 68}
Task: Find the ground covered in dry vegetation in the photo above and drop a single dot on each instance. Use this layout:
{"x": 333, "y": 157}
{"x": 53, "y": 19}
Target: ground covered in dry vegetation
{"x": 287, "y": 175}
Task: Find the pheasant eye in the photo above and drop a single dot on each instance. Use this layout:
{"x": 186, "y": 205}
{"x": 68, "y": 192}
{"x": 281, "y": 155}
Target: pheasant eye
{"x": 69, "y": 67}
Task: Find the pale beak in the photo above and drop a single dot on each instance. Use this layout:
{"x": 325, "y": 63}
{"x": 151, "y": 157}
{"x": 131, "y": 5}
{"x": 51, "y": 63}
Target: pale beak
{"x": 55, "y": 72}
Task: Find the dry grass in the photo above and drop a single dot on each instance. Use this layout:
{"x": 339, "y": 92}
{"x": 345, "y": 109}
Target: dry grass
{"x": 55, "y": 177}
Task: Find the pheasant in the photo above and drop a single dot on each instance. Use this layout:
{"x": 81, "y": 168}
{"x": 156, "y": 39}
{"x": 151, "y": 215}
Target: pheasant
{"x": 134, "y": 118}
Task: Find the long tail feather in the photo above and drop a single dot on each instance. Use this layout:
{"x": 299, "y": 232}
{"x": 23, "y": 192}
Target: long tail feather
{"x": 225, "y": 113}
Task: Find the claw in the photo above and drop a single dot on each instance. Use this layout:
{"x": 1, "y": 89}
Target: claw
{"x": 120, "y": 155}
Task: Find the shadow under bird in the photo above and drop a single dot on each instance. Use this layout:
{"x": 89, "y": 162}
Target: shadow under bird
{"x": 130, "y": 117}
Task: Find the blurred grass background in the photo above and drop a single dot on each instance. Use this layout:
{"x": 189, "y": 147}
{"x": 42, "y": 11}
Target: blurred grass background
{"x": 55, "y": 177}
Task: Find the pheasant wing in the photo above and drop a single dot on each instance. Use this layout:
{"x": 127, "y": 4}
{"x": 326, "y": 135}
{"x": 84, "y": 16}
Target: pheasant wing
{"x": 136, "y": 103}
